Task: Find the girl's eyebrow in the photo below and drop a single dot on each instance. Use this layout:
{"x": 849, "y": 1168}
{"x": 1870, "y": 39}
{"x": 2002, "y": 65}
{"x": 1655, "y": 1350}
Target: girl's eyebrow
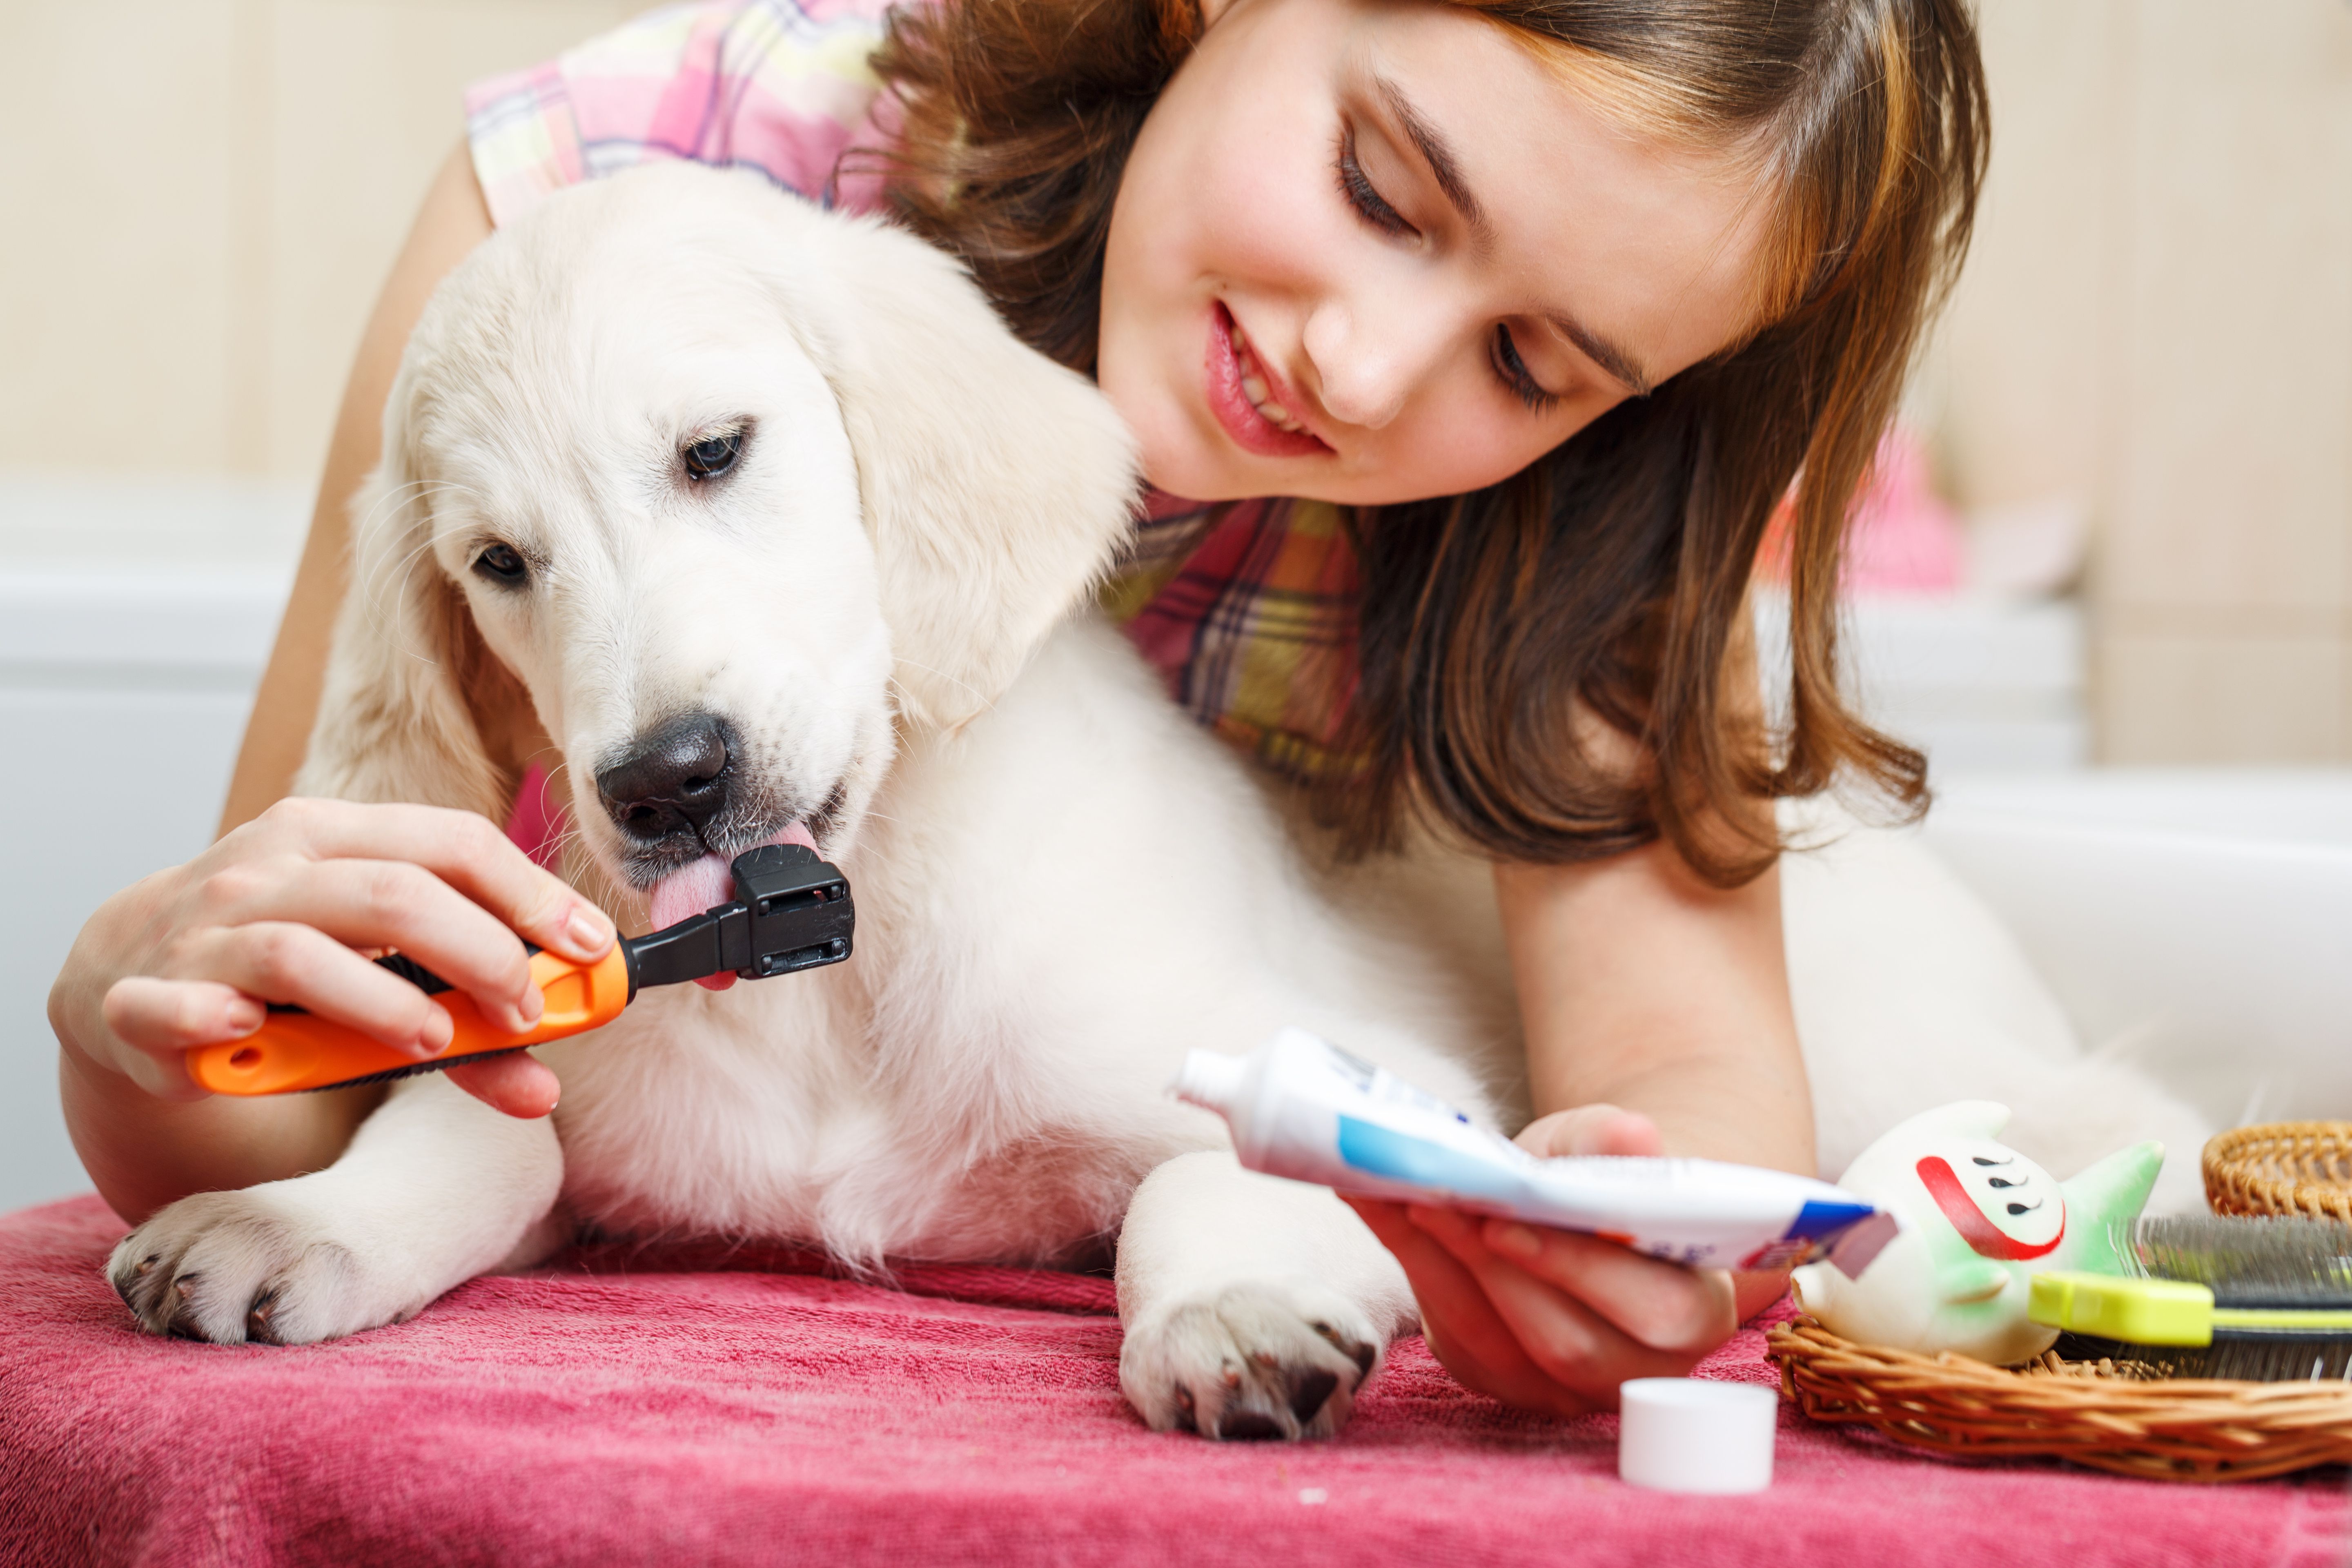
{"x": 1439, "y": 154}
{"x": 1446, "y": 169}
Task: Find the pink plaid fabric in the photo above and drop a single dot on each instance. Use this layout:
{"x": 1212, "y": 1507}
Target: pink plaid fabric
{"x": 1247, "y": 611}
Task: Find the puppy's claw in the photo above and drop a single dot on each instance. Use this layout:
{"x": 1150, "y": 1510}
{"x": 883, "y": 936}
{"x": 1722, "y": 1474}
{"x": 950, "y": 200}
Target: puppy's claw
{"x": 1306, "y": 1396}
{"x": 1247, "y": 1363}
{"x": 234, "y": 1267}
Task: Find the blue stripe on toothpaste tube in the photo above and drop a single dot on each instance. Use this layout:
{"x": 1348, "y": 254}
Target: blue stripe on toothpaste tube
{"x": 1300, "y": 1107}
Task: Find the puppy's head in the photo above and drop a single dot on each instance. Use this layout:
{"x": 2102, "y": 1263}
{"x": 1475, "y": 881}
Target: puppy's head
{"x": 726, "y": 485}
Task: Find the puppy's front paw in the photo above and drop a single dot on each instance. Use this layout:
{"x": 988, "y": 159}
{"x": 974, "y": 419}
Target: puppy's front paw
{"x": 235, "y": 1267}
{"x": 1262, "y": 1360}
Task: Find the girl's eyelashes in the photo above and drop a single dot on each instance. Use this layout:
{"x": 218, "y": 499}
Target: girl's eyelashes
{"x": 1516, "y": 376}
{"x": 1375, "y": 210}
{"x": 1361, "y": 193}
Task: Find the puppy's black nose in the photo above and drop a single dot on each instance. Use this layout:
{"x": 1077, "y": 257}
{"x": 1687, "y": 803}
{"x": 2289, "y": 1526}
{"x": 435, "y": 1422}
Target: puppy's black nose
{"x": 674, "y": 779}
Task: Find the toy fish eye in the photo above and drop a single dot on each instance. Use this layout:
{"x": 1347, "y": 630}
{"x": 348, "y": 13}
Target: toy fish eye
{"x": 1980, "y": 1159}
{"x": 2022, "y": 1208}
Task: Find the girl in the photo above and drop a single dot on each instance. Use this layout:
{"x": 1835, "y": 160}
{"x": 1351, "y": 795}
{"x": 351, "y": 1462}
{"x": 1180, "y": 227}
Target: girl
{"x": 1532, "y": 311}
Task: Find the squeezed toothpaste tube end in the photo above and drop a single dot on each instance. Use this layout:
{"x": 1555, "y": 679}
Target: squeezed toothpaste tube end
{"x": 1301, "y": 1107}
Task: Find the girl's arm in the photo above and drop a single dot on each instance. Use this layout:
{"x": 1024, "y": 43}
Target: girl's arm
{"x": 1657, "y": 1020}
{"x": 172, "y": 963}
{"x": 1643, "y": 987}
{"x": 454, "y": 220}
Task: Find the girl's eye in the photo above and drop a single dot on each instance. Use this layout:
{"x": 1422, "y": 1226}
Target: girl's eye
{"x": 1370, "y": 205}
{"x": 708, "y": 458}
{"x": 502, "y": 565}
{"x": 1516, "y": 376}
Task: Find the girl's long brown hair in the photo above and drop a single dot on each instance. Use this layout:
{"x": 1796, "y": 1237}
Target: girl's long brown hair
{"x": 1513, "y": 640}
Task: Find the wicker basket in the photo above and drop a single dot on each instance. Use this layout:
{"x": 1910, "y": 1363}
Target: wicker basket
{"x": 2100, "y": 1414}
{"x": 2283, "y": 1168}
{"x": 2096, "y": 1415}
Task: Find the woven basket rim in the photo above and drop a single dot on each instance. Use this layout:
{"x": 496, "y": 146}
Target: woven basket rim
{"x": 2201, "y": 1429}
{"x": 2287, "y": 1168}
{"x": 2185, "y": 1429}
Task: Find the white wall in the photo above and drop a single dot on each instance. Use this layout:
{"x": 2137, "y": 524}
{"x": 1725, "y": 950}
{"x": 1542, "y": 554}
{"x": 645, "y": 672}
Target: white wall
{"x": 133, "y": 624}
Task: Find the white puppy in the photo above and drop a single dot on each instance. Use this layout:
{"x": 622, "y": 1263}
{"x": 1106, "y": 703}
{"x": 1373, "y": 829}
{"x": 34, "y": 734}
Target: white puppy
{"x": 781, "y": 533}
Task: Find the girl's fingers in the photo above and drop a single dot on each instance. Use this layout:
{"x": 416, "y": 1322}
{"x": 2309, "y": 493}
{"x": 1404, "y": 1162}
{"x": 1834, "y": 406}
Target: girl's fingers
{"x": 1659, "y": 1305}
{"x": 178, "y": 1015}
{"x": 1574, "y": 1345}
{"x": 163, "y": 1020}
{"x": 282, "y": 961}
{"x": 519, "y": 1084}
{"x": 1459, "y": 1324}
{"x": 466, "y": 851}
{"x": 1592, "y": 1130}
{"x": 387, "y": 904}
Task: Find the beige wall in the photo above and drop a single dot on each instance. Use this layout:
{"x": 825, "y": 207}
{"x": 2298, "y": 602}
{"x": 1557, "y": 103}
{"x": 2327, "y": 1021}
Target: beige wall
{"x": 2158, "y": 319}
{"x": 201, "y": 201}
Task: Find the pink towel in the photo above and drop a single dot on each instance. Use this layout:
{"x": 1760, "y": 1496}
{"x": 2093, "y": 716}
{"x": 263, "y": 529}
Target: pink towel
{"x": 718, "y": 1406}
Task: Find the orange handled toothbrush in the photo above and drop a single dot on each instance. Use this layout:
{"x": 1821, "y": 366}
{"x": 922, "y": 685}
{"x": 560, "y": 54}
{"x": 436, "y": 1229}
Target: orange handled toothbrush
{"x": 791, "y": 911}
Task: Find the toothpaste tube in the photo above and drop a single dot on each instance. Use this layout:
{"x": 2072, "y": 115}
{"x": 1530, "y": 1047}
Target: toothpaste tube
{"x": 1300, "y": 1107}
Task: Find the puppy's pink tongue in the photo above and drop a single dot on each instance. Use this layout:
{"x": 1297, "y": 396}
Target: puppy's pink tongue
{"x": 706, "y": 884}
{"x": 689, "y": 890}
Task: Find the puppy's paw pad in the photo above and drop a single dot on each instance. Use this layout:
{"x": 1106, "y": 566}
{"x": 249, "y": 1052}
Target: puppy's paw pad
{"x": 1251, "y": 1362}
{"x": 233, "y": 1269}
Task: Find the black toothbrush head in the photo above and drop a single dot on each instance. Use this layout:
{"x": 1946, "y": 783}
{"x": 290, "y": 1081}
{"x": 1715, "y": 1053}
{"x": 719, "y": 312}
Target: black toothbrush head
{"x": 791, "y": 911}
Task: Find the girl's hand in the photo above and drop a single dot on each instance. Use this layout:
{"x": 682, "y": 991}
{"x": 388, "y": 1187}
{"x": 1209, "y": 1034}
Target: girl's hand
{"x": 1549, "y": 1320}
{"x": 286, "y": 908}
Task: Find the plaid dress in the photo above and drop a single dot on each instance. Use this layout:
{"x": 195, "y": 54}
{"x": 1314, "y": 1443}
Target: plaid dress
{"x": 1247, "y": 610}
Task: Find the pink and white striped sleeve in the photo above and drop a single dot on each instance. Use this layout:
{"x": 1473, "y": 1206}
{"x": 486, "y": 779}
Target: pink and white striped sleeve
{"x": 781, "y": 86}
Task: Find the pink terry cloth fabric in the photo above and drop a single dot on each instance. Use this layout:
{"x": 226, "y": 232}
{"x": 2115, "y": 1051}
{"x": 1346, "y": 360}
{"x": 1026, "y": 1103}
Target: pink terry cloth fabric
{"x": 735, "y": 1405}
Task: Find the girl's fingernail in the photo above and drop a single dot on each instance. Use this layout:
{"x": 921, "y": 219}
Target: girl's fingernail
{"x": 533, "y": 1004}
{"x": 1515, "y": 1239}
{"x": 591, "y": 933}
{"x": 244, "y": 1015}
{"x": 434, "y": 1037}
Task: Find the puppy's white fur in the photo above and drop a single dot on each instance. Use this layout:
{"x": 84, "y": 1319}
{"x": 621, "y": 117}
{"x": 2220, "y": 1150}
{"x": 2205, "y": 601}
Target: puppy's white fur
{"x": 1062, "y": 883}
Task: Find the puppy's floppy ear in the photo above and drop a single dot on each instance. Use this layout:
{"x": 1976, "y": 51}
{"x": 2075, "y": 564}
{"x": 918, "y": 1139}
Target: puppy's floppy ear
{"x": 395, "y": 722}
{"x": 997, "y": 485}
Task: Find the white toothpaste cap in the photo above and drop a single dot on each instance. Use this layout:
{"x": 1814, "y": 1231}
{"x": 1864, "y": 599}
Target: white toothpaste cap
{"x": 1690, "y": 1435}
{"x": 1210, "y": 1079}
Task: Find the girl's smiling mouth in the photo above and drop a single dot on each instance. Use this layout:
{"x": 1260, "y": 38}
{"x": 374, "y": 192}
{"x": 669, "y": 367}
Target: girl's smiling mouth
{"x": 1250, "y": 401}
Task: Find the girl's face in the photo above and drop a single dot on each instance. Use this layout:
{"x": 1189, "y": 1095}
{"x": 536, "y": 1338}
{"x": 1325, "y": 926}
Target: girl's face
{"x": 1372, "y": 250}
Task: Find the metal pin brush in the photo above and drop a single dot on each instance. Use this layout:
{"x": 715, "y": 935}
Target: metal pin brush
{"x": 2264, "y": 1301}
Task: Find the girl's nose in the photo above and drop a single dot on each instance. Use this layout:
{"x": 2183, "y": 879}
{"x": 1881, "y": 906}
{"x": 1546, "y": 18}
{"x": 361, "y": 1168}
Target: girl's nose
{"x": 1367, "y": 362}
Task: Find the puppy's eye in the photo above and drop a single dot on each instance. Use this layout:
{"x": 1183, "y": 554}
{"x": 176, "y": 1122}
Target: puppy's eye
{"x": 502, "y": 565}
{"x": 707, "y": 460}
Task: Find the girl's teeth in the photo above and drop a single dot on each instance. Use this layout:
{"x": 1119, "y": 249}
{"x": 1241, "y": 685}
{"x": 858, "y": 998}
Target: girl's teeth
{"x": 1254, "y": 388}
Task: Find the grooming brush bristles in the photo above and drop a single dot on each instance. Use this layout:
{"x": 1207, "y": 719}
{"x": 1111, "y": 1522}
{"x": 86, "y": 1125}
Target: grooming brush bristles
{"x": 392, "y": 1075}
{"x": 2294, "y": 1264}
{"x": 2231, "y": 1357}
{"x": 2291, "y": 1263}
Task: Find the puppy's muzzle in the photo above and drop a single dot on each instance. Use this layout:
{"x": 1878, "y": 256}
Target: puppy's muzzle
{"x": 672, "y": 783}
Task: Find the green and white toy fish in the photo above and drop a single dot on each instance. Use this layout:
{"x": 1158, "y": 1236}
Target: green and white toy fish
{"x": 1978, "y": 1220}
